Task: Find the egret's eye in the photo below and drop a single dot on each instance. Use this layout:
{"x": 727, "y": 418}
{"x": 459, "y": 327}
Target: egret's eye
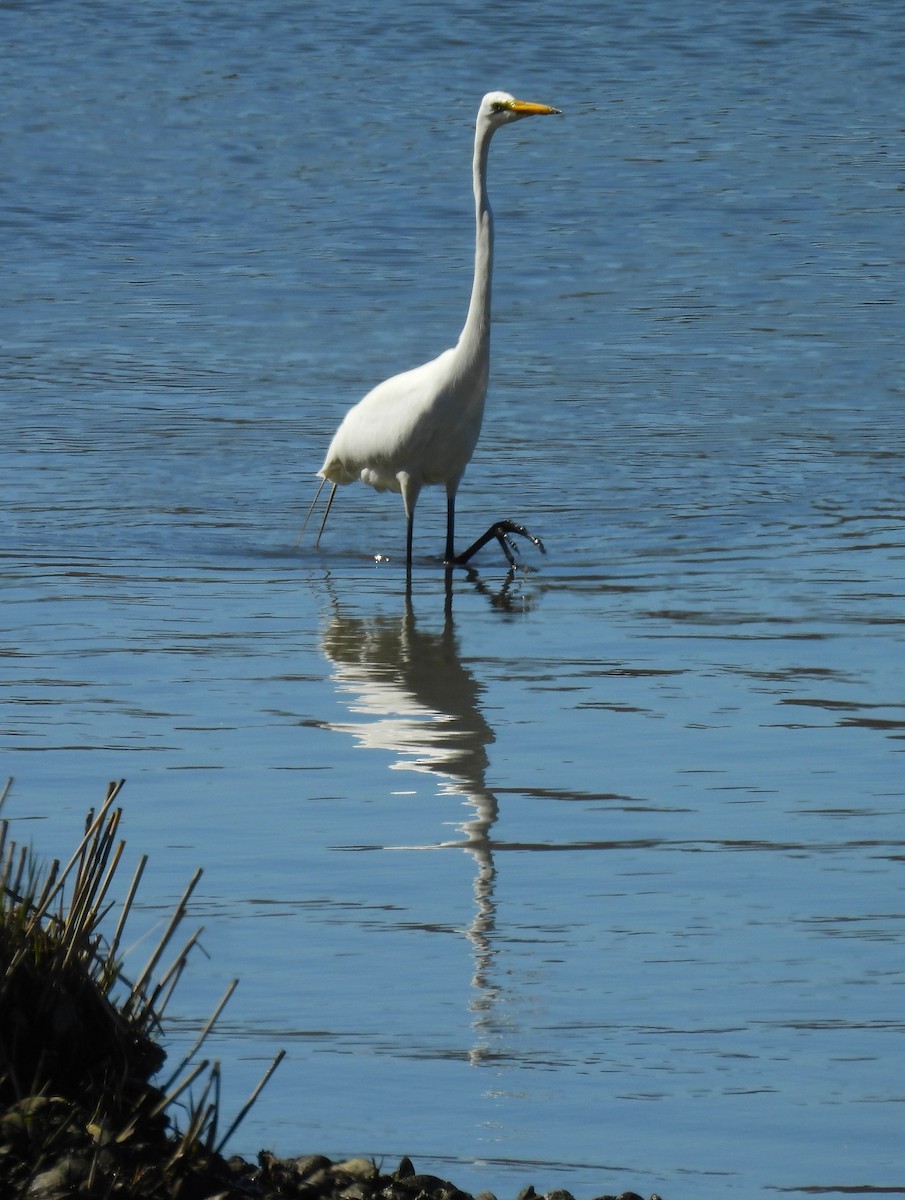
{"x": 499, "y": 106}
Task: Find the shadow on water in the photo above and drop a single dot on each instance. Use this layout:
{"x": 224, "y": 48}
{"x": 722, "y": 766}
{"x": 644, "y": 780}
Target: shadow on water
{"x": 410, "y": 693}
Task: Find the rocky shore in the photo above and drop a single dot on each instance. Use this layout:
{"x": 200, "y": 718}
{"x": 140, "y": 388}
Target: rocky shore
{"x": 82, "y": 1114}
{"x": 49, "y": 1151}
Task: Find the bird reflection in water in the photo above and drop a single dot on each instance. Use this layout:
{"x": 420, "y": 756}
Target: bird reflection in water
{"x": 419, "y": 701}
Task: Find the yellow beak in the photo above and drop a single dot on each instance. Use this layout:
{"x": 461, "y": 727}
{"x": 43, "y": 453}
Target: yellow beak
{"x": 529, "y": 108}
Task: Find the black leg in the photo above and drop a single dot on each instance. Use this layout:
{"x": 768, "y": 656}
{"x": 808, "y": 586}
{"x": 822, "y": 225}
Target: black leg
{"x": 410, "y": 527}
{"x": 450, "y": 553}
{"x": 501, "y": 530}
{"x": 326, "y": 514}
{"x": 311, "y": 507}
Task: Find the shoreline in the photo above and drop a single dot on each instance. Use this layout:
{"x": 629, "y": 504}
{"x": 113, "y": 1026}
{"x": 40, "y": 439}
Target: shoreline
{"x": 81, "y": 1112}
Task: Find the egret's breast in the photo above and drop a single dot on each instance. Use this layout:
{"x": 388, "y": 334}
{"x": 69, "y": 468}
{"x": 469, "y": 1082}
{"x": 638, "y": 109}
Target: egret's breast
{"x": 380, "y": 481}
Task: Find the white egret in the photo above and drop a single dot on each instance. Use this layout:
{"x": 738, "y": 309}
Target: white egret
{"x": 421, "y": 427}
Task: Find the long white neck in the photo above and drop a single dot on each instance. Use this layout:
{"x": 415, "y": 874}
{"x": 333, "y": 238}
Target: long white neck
{"x": 474, "y": 340}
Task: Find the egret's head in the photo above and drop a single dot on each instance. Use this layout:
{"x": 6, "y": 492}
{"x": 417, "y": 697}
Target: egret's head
{"x": 499, "y": 108}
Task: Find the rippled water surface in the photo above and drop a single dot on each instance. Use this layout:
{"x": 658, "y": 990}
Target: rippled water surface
{"x": 591, "y": 877}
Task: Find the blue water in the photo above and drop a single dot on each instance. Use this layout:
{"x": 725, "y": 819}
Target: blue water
{"x": 590, "y": 878}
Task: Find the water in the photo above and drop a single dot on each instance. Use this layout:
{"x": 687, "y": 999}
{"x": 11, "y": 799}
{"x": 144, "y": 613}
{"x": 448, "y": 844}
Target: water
{"x": 591, "y": 878}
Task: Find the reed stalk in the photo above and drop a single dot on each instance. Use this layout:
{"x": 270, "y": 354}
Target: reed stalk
{"x": 59, "y": 979}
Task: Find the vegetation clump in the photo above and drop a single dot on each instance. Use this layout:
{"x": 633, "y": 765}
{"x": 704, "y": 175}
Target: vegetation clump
{"x": 79, "y": 1113}
{"x": 82, "y": 1114}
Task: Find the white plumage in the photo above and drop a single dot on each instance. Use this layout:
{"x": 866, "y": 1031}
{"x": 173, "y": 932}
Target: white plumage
{"x": 421, "y": 427}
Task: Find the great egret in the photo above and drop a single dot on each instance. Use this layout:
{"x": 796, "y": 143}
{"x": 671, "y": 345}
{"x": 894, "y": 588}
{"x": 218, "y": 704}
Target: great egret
{"x": 421, "y": 427}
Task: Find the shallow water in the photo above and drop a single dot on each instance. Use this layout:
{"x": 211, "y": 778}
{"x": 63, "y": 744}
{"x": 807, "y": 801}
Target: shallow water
{"x": 589, "y": 878}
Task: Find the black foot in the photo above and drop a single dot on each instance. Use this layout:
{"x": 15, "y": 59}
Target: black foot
{"x": 502, "y": 531}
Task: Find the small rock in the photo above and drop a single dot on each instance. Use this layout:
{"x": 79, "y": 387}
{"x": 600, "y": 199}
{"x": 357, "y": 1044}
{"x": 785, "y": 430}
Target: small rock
{"x": 357, "y": 1168}
{"x": 424, "y": 1183}
{"x": 59, "y": 1180}
{"x": 405, "y": 1169}
{"x": 310, "y": 1164}
{"x": 355, "y": 1191}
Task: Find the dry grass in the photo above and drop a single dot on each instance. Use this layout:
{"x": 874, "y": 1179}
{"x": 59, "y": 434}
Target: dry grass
{"x": 74, "y": 1031}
